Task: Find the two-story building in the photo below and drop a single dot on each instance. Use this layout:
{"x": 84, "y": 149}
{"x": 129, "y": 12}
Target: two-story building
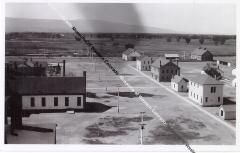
{"x": 205, "y": 90}
{"x": 201, "y": 54}
{"x": 164, "y": 70}
{"x": 49, "y": 94}
{"x": 130, "y": 55}
{"x": 144, "y": 63}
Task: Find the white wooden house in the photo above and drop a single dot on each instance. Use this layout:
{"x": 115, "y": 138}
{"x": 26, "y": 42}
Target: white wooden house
{"x": 144, "y": 63}
{"x": 227, "y": 112}
{"x": 179, "y": 84}
{"x": 130, "y": 55}
{"x": 205, "y": 90}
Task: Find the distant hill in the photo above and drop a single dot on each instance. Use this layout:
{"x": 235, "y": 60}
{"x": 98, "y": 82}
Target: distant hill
{"x": 43, "y": 25}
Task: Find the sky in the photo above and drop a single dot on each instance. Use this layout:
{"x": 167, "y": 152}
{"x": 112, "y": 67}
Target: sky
{"x": 204, "y": 18}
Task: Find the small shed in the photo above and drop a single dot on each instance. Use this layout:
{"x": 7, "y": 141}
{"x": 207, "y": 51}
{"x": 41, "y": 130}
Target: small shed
{"x": 179, "y": 84}
{"x": 130, "y": 55}
{"x": 172, "y": 56}
{"x": 227, "y": 112}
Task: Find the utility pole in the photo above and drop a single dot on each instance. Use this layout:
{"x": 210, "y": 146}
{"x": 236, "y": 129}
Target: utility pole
{"x": 118, "y": 99}
{"x": 142, "y": 113}
{"x": 141, "y": 132}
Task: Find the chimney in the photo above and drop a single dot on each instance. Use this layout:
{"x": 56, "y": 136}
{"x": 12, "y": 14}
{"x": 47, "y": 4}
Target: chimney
{"x": 63, "y": 67}
{"x": 84, "y": 73}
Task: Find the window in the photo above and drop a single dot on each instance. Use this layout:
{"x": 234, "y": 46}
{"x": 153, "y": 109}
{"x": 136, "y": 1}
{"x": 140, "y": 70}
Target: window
{"x": 206, "y": 99}
{"x": 32, "y": 102}
{"x": 43, "y": 101}
{"x": 218, "y": 99}
{"x": 148, "y": 62}
{"x": 143, "y": 62}
{"x": 66, "y": 101}
{"x": 79, "y": 100}
{"x": 55, "y": 101}
{"x": 213, "y": 89}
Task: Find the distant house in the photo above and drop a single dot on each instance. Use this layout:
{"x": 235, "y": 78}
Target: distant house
{"x": 48, "y": 94}
{"x": 205, "y": 90}
{"x": 227, "y": 112}
{"x": 144, "y": 63}
{"x": 234, "y": 82}
{"x": 163, "y": 70}
{"x": 229, "y": 61}
{"x": 179, "y": 84}
{"x": 172, "y": 56}
{"x": 201, "y": 54}
{"x": 130, "y": 55}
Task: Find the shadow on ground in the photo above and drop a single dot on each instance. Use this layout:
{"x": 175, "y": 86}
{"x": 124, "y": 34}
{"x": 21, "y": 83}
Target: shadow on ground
{"x": 94, "y": 107}
{"x": 228, "y": 101}
{"x": 133, "y": 95}
{"x": 112, "y": 126}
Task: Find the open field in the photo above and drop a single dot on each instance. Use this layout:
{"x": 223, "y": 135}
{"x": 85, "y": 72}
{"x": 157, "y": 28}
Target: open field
{"x": 26, "y": 44}
{"x": 102, "y": 124}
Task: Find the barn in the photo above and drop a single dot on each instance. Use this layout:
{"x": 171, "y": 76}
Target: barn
{"x": 227, "y": 112}
{"x": 201, "y": 54}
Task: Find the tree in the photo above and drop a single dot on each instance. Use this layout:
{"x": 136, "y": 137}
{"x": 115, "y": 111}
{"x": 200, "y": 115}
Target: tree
{"x": 129, "y": 46}
{"x": 187, "y": 39}
{"x": 212, "y": 71}
{"x": 178, "y": 38}
{"x": 169, "y": 39}
{"x": 201, "y": 40}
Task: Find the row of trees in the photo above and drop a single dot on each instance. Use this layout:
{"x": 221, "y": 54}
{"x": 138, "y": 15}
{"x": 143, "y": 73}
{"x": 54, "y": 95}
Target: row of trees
{"x": 216, "y": 39}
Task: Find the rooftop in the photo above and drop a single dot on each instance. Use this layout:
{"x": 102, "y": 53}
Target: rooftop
{"x": 48, "y": 85}
{"x": 171, "y": 55}
{"x": 129, "y": 51}
{"x": 156, "y": 63}
{"x": 178, "y": 78}
{"x": 228, "y": 108}
{"x": 199, "y": 51}
{"x": 205, "y": 79}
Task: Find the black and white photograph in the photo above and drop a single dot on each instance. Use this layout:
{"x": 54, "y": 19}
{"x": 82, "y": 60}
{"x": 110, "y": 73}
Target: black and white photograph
{"x": 114, "y": 73}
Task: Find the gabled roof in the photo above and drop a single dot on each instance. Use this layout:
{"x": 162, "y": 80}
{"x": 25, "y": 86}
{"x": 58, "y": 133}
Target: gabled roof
{"x": 129, "y": 51}
{"x": 164, "y": 61}
{"x": 199, "y": 51}
{"x": 228, "y": 108}
{"x": 178, "y": 78}
{"x": 205, "y": 79}
{"x": 48, "y": 85}
{"x": 171, "y": 55}
{"x": 144, "y": 57}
